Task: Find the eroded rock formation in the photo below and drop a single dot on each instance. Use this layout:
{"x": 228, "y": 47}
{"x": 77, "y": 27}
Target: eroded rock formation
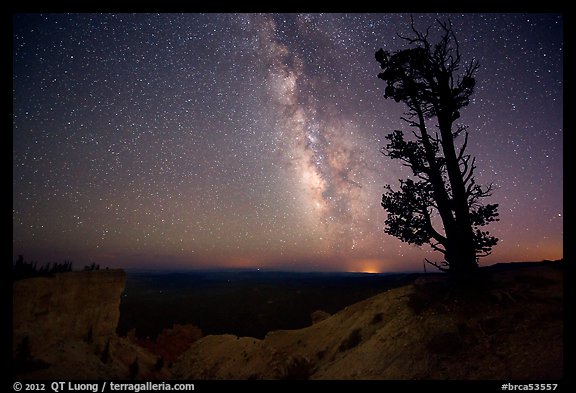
{"x": 66, "y": 306}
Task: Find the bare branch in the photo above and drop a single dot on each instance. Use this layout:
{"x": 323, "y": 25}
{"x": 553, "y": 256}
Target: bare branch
{"x": 443, "y": 267}
{"x": 435, "y": 247}
{"x": 410, "y": 122}
{"x": 483, "y": 253}
{"x": 446, "y": 55}
{"x": 471, "y": 68}
{"x": 459, "y": 129}
{"x": 419, "y": 137}
{"x": 418, "y": 36}
{"x": 476, "y": 192}
{"x": 464, "y": 164}
{"x": 463, "y": 147}
{"x": 470, "y": 187}
{"x": 470, "y": 172}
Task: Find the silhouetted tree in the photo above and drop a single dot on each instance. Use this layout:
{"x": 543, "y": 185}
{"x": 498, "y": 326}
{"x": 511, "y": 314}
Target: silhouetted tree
{"x": 22, "y": 269}
{"x": 91, "y": 267}
{"x": 434, "y": 84}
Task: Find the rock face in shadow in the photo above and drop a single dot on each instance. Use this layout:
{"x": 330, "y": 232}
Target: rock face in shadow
{"x": 65, "y": 328}
{"x": 67, "y": 306}
{"x": 171, "y": 342}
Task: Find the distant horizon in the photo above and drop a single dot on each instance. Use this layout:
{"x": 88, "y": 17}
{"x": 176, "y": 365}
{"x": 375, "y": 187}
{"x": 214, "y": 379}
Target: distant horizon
{"x": 429, "y": 269}
{"x": 269, "y": 269}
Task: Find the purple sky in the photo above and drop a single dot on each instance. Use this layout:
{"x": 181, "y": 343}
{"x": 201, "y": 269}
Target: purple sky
{"x": 229, "y": 140}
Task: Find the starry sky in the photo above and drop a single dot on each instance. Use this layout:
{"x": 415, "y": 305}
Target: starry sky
{"x": 253, "y": 140}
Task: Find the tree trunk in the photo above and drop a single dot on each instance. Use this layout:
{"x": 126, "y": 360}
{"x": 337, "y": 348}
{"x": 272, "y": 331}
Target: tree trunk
{"x": 463, "y": 251}
{"x": 460, "y": 250}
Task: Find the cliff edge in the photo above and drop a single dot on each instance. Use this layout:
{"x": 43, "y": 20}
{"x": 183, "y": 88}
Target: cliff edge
{"x": 509, "y": 327}
{"x": 64, "y": 327}
{"x": 66, "y": 306}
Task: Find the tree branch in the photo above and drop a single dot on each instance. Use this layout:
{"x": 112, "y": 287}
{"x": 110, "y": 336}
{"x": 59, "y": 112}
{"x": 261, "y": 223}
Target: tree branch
{"x": 419, "y": 37}
{"x": 435, "y": 234}
{"x": 443, "y": 267}
{"x": 463, "y": 147}
{"x": 476, "y": 192}
{"x": 412, "y": 123}
{"x": 446, "y": 55}
{"x": 435, "y": 247}
{"x": 483, "y": 253}
{"x": 470, "y": 172}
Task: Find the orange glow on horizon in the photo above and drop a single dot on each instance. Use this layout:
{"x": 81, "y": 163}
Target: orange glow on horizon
{"x": 371, "y": 266}
{"x": 370, "y": 271}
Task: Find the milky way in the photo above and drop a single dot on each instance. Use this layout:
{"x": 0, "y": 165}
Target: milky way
{"x": 318, "y": 152}
{"x": 252, "y": 140}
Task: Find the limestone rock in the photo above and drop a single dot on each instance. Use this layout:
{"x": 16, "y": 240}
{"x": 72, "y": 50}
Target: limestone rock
{"x": 66, "y": 306}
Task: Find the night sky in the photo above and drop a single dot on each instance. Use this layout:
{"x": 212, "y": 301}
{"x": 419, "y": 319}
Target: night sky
{"x": 227, "y": 140}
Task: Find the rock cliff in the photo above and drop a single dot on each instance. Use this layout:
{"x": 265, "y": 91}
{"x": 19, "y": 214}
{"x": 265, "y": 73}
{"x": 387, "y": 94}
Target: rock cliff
{"x": 66, "y": 306}
{"x": 65, "y": 328}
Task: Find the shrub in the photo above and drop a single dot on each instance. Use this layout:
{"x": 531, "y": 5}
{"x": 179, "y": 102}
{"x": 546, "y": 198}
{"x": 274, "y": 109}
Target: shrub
{"x": 297, "y": 368}
{"x": 377, "y": 318}
{"x": 353, "y": 339}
